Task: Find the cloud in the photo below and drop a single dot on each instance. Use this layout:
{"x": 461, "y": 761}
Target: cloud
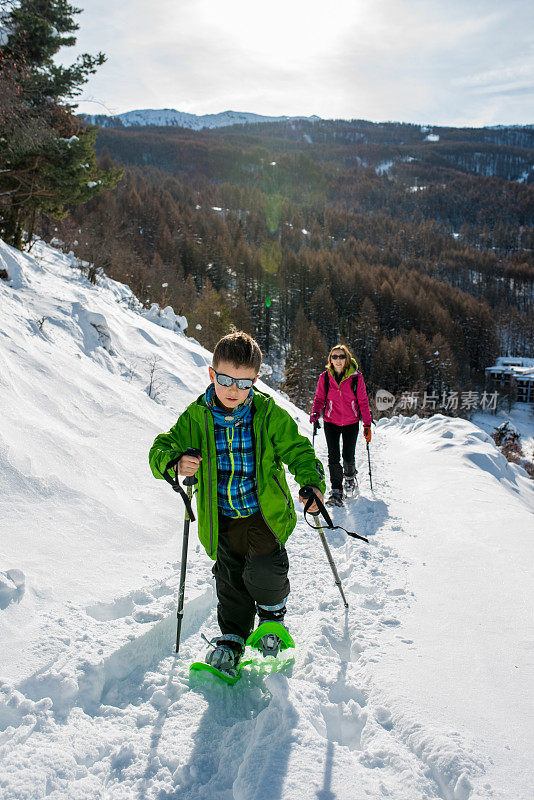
{"x": 433, "y": 61}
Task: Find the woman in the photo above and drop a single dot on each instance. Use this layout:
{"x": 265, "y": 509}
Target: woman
{"x": 341, "y": 398}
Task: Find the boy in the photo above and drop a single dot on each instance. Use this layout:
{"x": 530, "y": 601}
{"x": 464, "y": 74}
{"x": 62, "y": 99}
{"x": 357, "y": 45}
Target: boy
{"x": 245, "y": 512}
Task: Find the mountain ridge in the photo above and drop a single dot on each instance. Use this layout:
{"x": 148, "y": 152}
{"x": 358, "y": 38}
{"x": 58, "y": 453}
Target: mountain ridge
{"x": 171, "y": 117}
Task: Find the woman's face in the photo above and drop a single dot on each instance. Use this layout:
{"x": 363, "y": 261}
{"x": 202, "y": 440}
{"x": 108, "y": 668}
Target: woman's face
{"x": 338, "y": 359}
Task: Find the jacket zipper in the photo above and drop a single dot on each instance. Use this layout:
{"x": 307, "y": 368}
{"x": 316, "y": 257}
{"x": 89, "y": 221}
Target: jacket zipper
{"x": 209, "y": 481}
{"x": 257, "y": 481}
{"x": 280, "y": 487}
{"x": 232, "y": 462}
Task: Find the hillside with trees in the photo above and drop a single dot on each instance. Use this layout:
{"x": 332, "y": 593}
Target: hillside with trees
{"x": 415, "y": 251}
{"x": 411, "y": 244}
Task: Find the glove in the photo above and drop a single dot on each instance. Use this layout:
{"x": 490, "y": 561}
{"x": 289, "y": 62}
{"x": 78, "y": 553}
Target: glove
{"x": 314, "y": 416}
{"x": 367, "y": 433}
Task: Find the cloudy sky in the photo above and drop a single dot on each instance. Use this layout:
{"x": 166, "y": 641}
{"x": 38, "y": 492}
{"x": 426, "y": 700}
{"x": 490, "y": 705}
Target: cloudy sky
{"x": 449, "y": 62}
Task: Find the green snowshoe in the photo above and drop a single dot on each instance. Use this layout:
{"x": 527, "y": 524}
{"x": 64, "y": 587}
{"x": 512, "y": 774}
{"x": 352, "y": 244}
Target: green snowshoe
{"x": 270, "y": 637}
{"x": 230, "y": 677}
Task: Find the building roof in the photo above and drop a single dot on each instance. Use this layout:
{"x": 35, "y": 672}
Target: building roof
{"x": 522, "y": 368}
{"x": 515, "y": 361}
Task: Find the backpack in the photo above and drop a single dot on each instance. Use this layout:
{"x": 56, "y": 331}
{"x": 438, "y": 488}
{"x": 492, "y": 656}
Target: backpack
{"x": 354, "y": 382}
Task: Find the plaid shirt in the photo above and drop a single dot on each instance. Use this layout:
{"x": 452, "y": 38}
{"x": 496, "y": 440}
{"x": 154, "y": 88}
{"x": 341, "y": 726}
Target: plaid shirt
{"x": 236, "y": 469}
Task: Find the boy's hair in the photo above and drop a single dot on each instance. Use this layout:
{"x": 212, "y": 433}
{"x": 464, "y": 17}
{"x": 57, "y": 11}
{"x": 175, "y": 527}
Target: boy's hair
{"x": 240, "y": 349}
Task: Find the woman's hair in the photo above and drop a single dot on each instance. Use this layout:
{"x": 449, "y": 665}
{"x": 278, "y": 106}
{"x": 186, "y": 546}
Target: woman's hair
{"x": 348, "y": 355}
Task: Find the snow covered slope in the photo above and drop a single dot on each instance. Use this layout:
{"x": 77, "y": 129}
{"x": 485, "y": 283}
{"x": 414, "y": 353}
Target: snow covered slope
{"x": 423, "y": 690}
{"x": 170, "y": 117}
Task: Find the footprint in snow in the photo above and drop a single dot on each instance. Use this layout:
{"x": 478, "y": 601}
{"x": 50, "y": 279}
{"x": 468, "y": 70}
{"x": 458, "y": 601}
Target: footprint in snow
{"x": 127, "y": 606}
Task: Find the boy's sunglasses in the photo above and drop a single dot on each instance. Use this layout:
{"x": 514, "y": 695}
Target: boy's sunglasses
{"x": 226, "y": 380}
{"x": 338, "y": 358}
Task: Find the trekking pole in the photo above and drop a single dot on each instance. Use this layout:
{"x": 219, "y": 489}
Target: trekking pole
{"x": 189, "y": 482}
{"x": 189, "y": 517}
{"x": 316, "y": 427}
{"x": 369, "y": 460}
{"x": 337, "y": 579}
{"x": 309, "y": 495}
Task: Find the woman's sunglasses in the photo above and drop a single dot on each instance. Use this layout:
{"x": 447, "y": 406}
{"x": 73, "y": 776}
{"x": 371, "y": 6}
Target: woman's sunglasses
{"x": 227, "y": 380}
{"x": 338, "y": 358}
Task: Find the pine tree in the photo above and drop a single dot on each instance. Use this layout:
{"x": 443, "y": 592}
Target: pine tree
{"x": 364, "y": 334}
{"x": 305, "y": 361}
{"x": 211, "y": 314}
{"x": 324, "y": 314}
{"x": 441, "y": 367}
{"x": 47, "y": 158}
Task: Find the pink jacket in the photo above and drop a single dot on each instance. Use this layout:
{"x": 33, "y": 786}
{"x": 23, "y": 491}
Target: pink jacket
{"x": 342, "y": 406}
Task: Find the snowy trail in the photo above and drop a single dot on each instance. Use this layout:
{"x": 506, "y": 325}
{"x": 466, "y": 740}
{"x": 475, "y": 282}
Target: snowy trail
{"x": 422, "y": 691}
{"x": 127, "y": 722}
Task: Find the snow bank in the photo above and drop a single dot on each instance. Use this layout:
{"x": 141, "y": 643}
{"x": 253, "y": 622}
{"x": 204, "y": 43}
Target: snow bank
{"x": 467, "y": 442}
{"x": 166, "y": 318}
{"x": 469, "y": 553}
{"x": 13, "y": 266}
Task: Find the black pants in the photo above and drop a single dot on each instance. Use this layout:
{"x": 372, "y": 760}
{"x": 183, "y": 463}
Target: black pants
{"x": 251, "y": 568}
{"x": 350, "y": 435}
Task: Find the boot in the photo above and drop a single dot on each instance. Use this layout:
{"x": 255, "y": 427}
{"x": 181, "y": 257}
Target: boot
{"x": 336, "y": 475}
{"x": 350, "y": 481}
{"x": 225, "y": 655}
{"x": 336, "y": 498}
{"x": 270, "y": 643}
{"x": 349, "y": 469}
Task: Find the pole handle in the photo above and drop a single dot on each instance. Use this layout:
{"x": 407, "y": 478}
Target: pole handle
{"x": 189, "y": 481}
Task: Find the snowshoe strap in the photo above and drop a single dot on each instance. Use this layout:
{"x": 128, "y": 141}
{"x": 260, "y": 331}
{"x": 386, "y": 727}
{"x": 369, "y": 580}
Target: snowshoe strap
{"x": 175, "y": 483}
{"x": 307, "y": 491}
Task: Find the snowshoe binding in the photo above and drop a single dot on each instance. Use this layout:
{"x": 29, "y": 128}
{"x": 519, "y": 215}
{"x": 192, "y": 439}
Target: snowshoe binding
{"x": 336, "y": 498}
{"x": 350, "y": 481}
{"x": 270, "y": 638}
{"x": 350, "y": 486}
{"x": 223, "y": 660}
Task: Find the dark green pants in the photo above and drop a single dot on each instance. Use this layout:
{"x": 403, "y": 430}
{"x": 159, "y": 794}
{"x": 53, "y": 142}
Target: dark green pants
{"x": 251, "y": 568}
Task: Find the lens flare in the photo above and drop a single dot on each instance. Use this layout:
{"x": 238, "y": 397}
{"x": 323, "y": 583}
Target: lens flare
{"x": 273, "y": 211}
{"x": 271, "y": 257}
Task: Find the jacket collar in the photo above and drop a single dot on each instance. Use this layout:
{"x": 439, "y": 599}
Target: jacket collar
{"x": 352, "y": 369}
{"x": 259, "y": 402}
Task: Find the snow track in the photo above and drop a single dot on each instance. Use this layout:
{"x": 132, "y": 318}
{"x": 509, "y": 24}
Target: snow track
{"x": 120, "y": 719}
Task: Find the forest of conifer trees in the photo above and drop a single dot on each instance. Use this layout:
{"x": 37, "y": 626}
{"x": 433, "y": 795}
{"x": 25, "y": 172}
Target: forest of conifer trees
{"x": 416, "y": 254}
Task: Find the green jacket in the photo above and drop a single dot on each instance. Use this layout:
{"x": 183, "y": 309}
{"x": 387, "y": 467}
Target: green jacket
{"x": 276, "y": 439}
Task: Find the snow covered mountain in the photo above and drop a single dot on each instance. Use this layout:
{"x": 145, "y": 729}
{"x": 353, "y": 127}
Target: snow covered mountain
{"x": 170, "y": 117}
{"x": 423, "y": 690}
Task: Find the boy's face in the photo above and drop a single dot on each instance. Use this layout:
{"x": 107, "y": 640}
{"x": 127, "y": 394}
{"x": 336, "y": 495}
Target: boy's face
{"x": 230, "y": 396}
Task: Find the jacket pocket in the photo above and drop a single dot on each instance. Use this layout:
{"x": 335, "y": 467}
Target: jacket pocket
{"x": 275, "y": 479}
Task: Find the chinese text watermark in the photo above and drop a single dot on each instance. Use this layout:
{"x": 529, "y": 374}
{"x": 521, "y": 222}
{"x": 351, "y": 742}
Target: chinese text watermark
{"x": 447, "y": 401}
